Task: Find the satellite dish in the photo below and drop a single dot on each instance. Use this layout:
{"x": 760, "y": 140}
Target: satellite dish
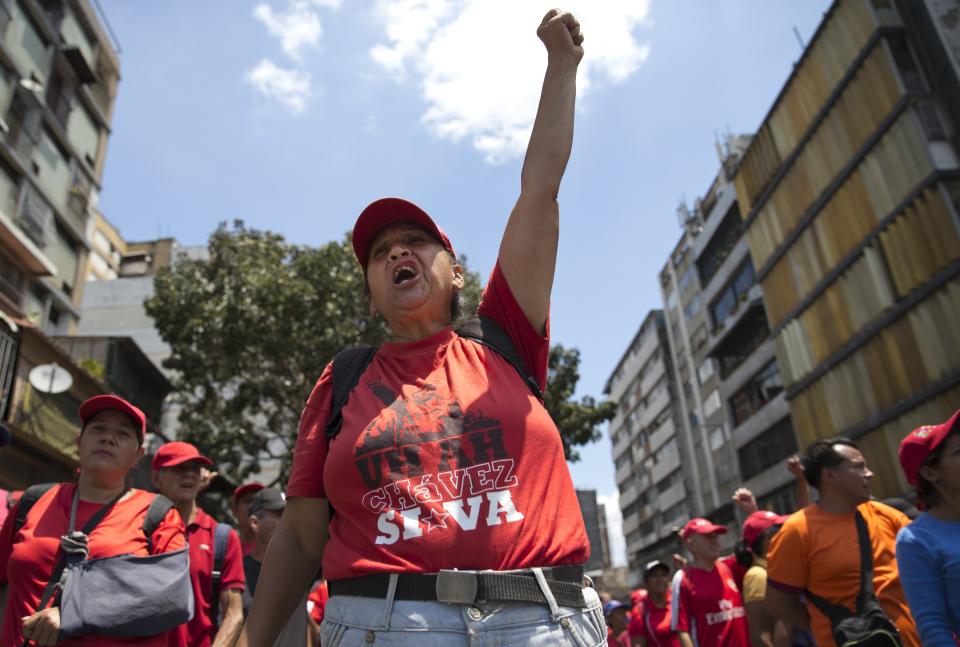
{"x": 50, "y": 378}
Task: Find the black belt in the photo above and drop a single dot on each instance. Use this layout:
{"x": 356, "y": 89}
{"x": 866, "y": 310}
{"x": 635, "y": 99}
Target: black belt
{"x": 467, "y": 587}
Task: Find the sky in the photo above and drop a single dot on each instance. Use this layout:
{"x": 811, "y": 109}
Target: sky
{"x": 292, "y": 115}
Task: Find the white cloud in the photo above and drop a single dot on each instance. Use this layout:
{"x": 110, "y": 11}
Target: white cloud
{"x": 297, "y": 27}
{"x": 618, "y": 544}
{"x": 480, "y": 65}
{"x": 289, "y": 87}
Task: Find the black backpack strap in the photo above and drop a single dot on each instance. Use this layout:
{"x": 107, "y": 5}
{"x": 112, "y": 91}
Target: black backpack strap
{"x": 30, "y": 496}
{"x": 836, "y": 612}
{"x": 220, "y": 536}
{"x": 156, "y": 513}
{"x": 348, "y": 365}
{"x": 488, "y": 332}
{"x": 866, "y": 563}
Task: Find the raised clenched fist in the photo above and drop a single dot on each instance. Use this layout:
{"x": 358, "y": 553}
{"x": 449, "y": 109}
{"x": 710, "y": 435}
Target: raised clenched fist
{"x": 560, "y": 33}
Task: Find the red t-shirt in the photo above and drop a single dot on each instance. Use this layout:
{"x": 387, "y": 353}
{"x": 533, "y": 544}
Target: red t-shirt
{"x": 317, "y": 601}
{"x": 200, "y": 631}
{"x": 445, "y": 459}
{"x": 27, "y": 559}
{"x": 709, "y": 607}
{"x": 653, "y": 624}
{"x": 623, "y": 640}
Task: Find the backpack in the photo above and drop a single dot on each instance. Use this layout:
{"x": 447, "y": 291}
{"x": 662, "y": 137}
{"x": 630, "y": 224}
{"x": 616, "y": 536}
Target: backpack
{"x": 220, "y": 536}
{"x": 158, "y": 509}
{"x": 869, "y": 625}
{"x": 350, "y": 363}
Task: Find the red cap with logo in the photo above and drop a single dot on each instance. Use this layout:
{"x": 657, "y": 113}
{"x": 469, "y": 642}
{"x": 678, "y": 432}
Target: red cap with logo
{"x": 387, "y": 211}
{"x": 178, "y": 453}
{"x": 920, "y": 443}
{"x": 758, "y": 523}
{"x": 245, "y": 489}
{"x": 701, "y": 526}
{"x": 92, "y": 406}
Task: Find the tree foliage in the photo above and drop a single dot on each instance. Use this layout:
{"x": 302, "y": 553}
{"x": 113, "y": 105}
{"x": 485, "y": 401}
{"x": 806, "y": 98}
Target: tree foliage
{"x": 251, "y": 328}
{"x": 578, "y": 421}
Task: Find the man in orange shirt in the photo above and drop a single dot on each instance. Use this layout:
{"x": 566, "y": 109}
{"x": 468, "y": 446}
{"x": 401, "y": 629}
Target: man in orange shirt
{"x": 816, "y": 548}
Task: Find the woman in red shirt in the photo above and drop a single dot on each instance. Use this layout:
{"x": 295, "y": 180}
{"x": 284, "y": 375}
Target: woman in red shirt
{"x": 109, "y": 445}
{"x": 455, "y": 510}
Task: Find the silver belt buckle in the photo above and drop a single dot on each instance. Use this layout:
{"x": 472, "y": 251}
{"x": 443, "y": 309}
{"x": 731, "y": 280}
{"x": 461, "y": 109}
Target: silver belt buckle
{"x": 457, "y": 587}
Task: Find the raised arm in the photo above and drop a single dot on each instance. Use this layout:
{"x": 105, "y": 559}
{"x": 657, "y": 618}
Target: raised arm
{"x": 528, "y": 252}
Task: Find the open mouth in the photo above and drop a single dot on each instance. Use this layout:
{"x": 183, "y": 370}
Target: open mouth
{"x": 405, "y": 272}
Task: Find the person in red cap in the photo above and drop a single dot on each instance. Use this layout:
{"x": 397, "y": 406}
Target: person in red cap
{"x": 706, "y": 606}
{"x": 928, "y": 550}
{"x": 755, "y": 535}
{"x": 650, "y": 620}
{"x": 110, "y": 516}
{"x": 240, "y": 507}
{"x": 218, "y": 612}
{"x": 444, "y": 468}
{"x": 816, "y": 550}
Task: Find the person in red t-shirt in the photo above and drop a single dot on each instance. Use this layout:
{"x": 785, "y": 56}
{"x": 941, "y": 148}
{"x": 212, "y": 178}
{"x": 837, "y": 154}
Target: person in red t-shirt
{"x": 316, "y": 602}
{"x": 176, "y": 474}
{"x": 706, "y": 606}
{"x": 445, "y": 459}
{"x": 650, "y": 622}
{"x": 240, "y": 506}
{"x": 109, "y": 445}
{"x": 616, "y": 615}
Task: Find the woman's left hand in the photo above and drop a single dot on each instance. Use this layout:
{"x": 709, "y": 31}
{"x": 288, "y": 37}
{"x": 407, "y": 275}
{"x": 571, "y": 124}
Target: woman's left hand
{"x": 43, "y": 627}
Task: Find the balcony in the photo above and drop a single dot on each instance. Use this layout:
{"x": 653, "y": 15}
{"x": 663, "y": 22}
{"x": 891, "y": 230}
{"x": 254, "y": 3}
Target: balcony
{"x": 664, "y": 467}
{"x": 724, "y": 329}
{"x": 761, "y": 420}
{"x": 674, "y": 495}
{"x": 666, "y": 431}
{"x": 756, "y": 360}
{"x": 22, "y": 249}
{"x": 631, "y": 523}
{"x": 721, "y": 278}
{"x": 624, "y": 472}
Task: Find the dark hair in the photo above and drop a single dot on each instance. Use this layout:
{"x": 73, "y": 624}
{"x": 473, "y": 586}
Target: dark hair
{"x": 658, "y": 567}
{"x": 820, "y": 454}
{"x": 926, "y": 493}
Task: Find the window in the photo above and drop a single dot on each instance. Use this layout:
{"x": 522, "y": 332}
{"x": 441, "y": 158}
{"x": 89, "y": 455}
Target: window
{"x": 763, "y": 387}
{"x": 767, "y": 449}
{"x": 648, "y": 526}
{"x": 705, "y": 372}
{"x": 726, "y": 236}
{"x": 751, "y": 331}
{"x": 693, "y": 307}
{"x": 671, "y": 516}
{"x": 712, "y": 403}
{"x": 699, "y": 337}
{"x": 687, "y": 278}
{"x": 724, "y": 305}
{"x": 669, "y": 451}
{"x": 672, "y": 479}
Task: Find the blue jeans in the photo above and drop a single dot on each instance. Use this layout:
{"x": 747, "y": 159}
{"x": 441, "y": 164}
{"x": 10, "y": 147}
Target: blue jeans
{"x": 351, "y": 621}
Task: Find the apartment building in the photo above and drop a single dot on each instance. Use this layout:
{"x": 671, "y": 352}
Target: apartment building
{"x": 849, "y": 194}
{"x": 652, "y": 479}
{"x": 58, "y": 80}
{"x": 59, "y": 72}
{"x": 737, "y": 429}
{"x": 595, "y": 523}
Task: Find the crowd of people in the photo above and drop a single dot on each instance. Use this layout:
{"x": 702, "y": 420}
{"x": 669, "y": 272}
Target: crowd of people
{"x": 844, "y": 570}
{"x": 429, "y": 487}
{"x": 99, "y": 563}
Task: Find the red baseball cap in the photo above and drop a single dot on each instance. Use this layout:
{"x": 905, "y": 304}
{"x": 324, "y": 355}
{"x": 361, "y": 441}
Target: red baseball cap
{"x": 701, "y": 526}
{"x": 92, "y": 406}
{"x": 388, "y": 211}
{"x": 178, "y": 453}
{"x": 758, "y": 523}
{"x": 245, "y": 489}
{"x": 920, "y": 443}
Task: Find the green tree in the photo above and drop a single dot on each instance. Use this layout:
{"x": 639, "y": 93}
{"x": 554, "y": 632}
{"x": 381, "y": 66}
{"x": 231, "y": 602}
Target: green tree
{"x": 251, "y": 328}
{"x": 578, "y": 422}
